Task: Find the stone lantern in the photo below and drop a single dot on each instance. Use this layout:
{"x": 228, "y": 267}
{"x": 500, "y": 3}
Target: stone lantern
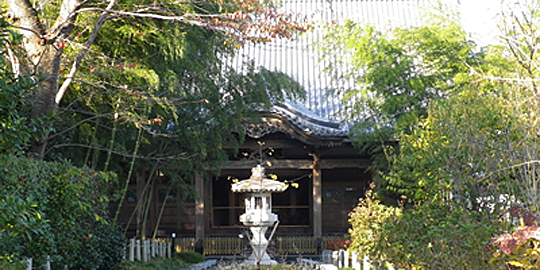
{"x": 258, "y": 216}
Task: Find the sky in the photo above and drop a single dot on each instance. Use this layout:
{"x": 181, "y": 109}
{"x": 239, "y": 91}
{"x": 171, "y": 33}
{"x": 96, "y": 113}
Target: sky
{"x": 478, "y": 18}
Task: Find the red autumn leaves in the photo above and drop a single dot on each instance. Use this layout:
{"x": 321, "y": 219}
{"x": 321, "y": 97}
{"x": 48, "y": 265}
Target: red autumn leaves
{"x": 508, "y": 243}
{"x": 257, "y": 23}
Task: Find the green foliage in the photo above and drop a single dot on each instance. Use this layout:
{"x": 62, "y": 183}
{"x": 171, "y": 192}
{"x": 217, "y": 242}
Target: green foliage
{"x": 471, "y": 154}
{"x": 396, "y": 73}
{"x": 190, "y": 257}
{"x": 445, "y": 153}
{"x": 58, "y": 210}
{"x": 175, "y": 83}
{"x": 16, "y": 129}
{"x": 23, "y": 230}
{"x": 432, "y": 235}
{"x": 367, "y": 221}
{"x": 160, "y": 96}
{"x": 439, "y": 236}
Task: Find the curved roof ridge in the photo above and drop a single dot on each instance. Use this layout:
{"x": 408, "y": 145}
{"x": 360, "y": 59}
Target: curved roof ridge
{"x": 309, "y": 122}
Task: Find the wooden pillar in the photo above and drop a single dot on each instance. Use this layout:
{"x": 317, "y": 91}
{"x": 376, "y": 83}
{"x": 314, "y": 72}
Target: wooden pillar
{"x": 199, "y": 208}
{"x": 317, "y": 201}
{"x": 141, "y": 183}
{"x": 232, "y": 203}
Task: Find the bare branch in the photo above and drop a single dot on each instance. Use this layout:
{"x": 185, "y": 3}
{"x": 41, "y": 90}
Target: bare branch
{"x": 530, "y": 162}
{"x": 78, "y": 124}
{"x": 80, "y": 56}
{"x": 182, "y": 156}
{"x": 513, "y": 79}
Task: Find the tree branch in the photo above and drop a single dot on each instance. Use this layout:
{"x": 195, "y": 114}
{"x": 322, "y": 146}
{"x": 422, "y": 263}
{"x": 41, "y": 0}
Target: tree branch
{"x": 182, "y": 156}
{"x": 80, "y": 56}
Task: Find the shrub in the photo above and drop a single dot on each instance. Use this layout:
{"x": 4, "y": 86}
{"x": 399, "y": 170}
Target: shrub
{"x": 518, "y": 250}
{"x": 368, "y": 220}
{"x": 190, "y": 257}
{"x": 437, "y": 235}
{"x": 431, "y": 235}
{"x": 338, "y": 244}
{"x": 58, "y": 210}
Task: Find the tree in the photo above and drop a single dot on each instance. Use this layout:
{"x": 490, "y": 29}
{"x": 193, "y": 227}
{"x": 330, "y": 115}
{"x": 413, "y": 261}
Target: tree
{"x": 50, "y": 30}
{"x": 168, "y": 102}
{"x": 471, "y": 163}
{"x": 481, "y": 142}
{"x": 396, "y": 73}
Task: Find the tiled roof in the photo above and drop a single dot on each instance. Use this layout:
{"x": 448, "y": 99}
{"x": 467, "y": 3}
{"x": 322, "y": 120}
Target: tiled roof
{"x": 320, "y": 113}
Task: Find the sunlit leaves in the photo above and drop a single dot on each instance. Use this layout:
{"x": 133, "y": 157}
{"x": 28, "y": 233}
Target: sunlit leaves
{"x": 396, "y": 73}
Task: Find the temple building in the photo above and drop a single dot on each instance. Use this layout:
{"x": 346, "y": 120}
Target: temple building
{"x": 302, "y": 143}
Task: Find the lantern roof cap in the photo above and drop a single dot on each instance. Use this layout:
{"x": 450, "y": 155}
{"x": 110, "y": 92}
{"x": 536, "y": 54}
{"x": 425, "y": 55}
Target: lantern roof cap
{"x": 258, "y": 183}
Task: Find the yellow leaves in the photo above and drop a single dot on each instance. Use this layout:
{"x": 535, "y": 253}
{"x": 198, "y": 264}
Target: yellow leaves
{"x": 291, "y": 184}
{"x": 232, "y": 179}
{"x": 516, "y": 264}
{"x": 272, "y": 176}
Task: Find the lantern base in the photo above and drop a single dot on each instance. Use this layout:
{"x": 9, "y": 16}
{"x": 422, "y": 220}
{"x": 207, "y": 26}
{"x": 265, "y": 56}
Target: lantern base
{"x": 265, "y": 260}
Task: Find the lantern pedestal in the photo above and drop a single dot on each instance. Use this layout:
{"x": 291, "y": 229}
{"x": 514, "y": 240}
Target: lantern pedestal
{"x": 259, "y": 243}
{"x": 258, "y": 216}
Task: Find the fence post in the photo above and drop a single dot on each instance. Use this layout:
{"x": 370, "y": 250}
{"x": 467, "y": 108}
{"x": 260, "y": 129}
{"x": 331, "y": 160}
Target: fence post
{"x": 366, "y": 264}
{"x": 138, "y": 249}
{"x": 355, "y": 262}
{"x": 341, "y": 258}
{"x": 346, "y": 258}
{"x": 48, "y": 263}
{"x": 145, "y": 250}
{"x": 131, "y": 249}
{"x": 335, "y": 257}
{"x": 327, "y": 256}
{"x": 168, "y": 249}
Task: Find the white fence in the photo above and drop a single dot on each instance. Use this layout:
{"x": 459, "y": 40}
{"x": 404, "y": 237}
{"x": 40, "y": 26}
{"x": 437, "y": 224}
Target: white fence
{"x": 29, "y": 264}
{"x": 138, "y": 250}
{"x": 343, "y": 258}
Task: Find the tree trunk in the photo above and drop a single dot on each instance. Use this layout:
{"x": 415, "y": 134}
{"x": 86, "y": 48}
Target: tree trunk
{"x": 43, "y": 54}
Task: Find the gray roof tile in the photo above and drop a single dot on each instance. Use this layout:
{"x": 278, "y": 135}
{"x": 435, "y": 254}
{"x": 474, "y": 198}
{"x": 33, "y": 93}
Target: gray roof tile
{"x": 320, "y": 113}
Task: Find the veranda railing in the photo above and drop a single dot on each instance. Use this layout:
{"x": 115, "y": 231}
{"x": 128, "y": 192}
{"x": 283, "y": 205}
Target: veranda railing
{"x": 282, "y": 245}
